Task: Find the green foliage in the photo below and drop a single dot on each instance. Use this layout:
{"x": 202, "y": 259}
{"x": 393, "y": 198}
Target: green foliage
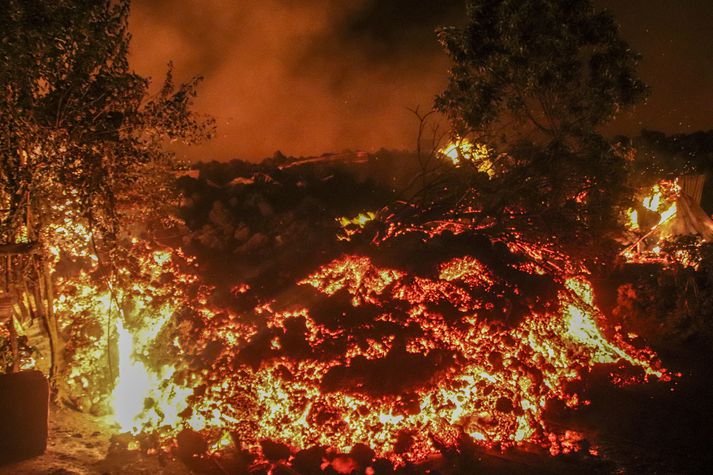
{"x": 533, "y": 80}
{"x": 80, "y": 129}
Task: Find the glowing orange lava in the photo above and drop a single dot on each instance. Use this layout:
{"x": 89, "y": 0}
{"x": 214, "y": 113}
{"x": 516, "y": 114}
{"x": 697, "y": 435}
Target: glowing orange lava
{"x": 409, "y": 357}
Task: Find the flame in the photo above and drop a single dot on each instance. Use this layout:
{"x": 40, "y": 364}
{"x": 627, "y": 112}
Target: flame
{"x": 351, "y": 226}
{"x": 142, "y": 397}
{"x": 633, "y": 222}
{"x": 134, "y": 383}
{"x": 653, "y": 202}
{"x": 660, "y": 200}
{"x": 668, "y": 213}
{"x": 462, "y": 150}
{"x": 359, "y": 220}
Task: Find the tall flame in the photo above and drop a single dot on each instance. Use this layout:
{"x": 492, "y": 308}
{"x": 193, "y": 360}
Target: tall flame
{"x": 144, "y": 397}
{"x": 133, "y": 383}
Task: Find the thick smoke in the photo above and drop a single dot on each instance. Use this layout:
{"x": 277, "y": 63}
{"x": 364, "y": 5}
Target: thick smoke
{"x": 304, "y": 77}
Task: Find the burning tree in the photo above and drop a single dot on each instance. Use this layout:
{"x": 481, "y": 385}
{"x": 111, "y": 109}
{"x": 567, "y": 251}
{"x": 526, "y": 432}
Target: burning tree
{"x": 81, "y": 142}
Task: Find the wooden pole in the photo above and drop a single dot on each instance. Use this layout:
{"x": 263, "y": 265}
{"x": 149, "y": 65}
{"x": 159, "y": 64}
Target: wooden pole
{"x": 6, "y": 310}
{"x": 52, "y": 323}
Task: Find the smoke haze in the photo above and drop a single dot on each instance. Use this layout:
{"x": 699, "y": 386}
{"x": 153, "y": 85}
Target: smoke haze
{"x": 313, "y": 76}
{"x": 303, "y": 77}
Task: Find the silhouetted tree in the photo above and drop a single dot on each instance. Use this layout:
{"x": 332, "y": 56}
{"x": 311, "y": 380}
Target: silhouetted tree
{"x": 534, "y": 80}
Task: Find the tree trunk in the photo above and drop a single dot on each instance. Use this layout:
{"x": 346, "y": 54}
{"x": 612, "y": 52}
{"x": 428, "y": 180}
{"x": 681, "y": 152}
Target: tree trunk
{"x": 52, "y": 324}
{"x": 13, "y": 346}
{"x": 13, "y": 331}
{"x": 43, "y": 301}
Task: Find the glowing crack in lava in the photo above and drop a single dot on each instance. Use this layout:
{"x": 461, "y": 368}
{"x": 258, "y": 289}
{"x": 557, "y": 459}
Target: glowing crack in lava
{"x": 403, "y": 363}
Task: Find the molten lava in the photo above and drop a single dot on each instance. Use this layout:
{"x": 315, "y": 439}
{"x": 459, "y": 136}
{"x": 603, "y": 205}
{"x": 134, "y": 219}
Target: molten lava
{"x": 402, "y": 362}
{"x": 488, "y": 381}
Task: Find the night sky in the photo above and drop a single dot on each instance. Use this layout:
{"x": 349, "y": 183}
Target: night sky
{"x": 313, "y": 76}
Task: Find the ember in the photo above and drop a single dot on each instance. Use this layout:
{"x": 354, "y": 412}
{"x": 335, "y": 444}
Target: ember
{"x": 660, "y": 208}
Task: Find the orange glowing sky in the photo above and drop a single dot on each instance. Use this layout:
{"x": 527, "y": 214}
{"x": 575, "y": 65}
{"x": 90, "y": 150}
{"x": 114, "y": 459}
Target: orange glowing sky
{"x": 313, "y": 76}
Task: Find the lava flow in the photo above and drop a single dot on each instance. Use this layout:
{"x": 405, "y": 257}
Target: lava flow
{"x": 373, "y": 355}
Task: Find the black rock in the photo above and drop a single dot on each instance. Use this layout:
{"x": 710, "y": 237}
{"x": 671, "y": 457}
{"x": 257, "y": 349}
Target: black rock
{"x": 362, "y": 455}
{"x": 309, "y": 461}
{"x": 274, "y": 451}
{"x": 190, "y": 443}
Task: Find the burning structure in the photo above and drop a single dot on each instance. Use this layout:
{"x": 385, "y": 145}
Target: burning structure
{"x": 671, "y": 209}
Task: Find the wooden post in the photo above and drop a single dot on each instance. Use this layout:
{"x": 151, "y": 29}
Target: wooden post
{"x": 6, "y": 313}
{"x": 52, "y": 323}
